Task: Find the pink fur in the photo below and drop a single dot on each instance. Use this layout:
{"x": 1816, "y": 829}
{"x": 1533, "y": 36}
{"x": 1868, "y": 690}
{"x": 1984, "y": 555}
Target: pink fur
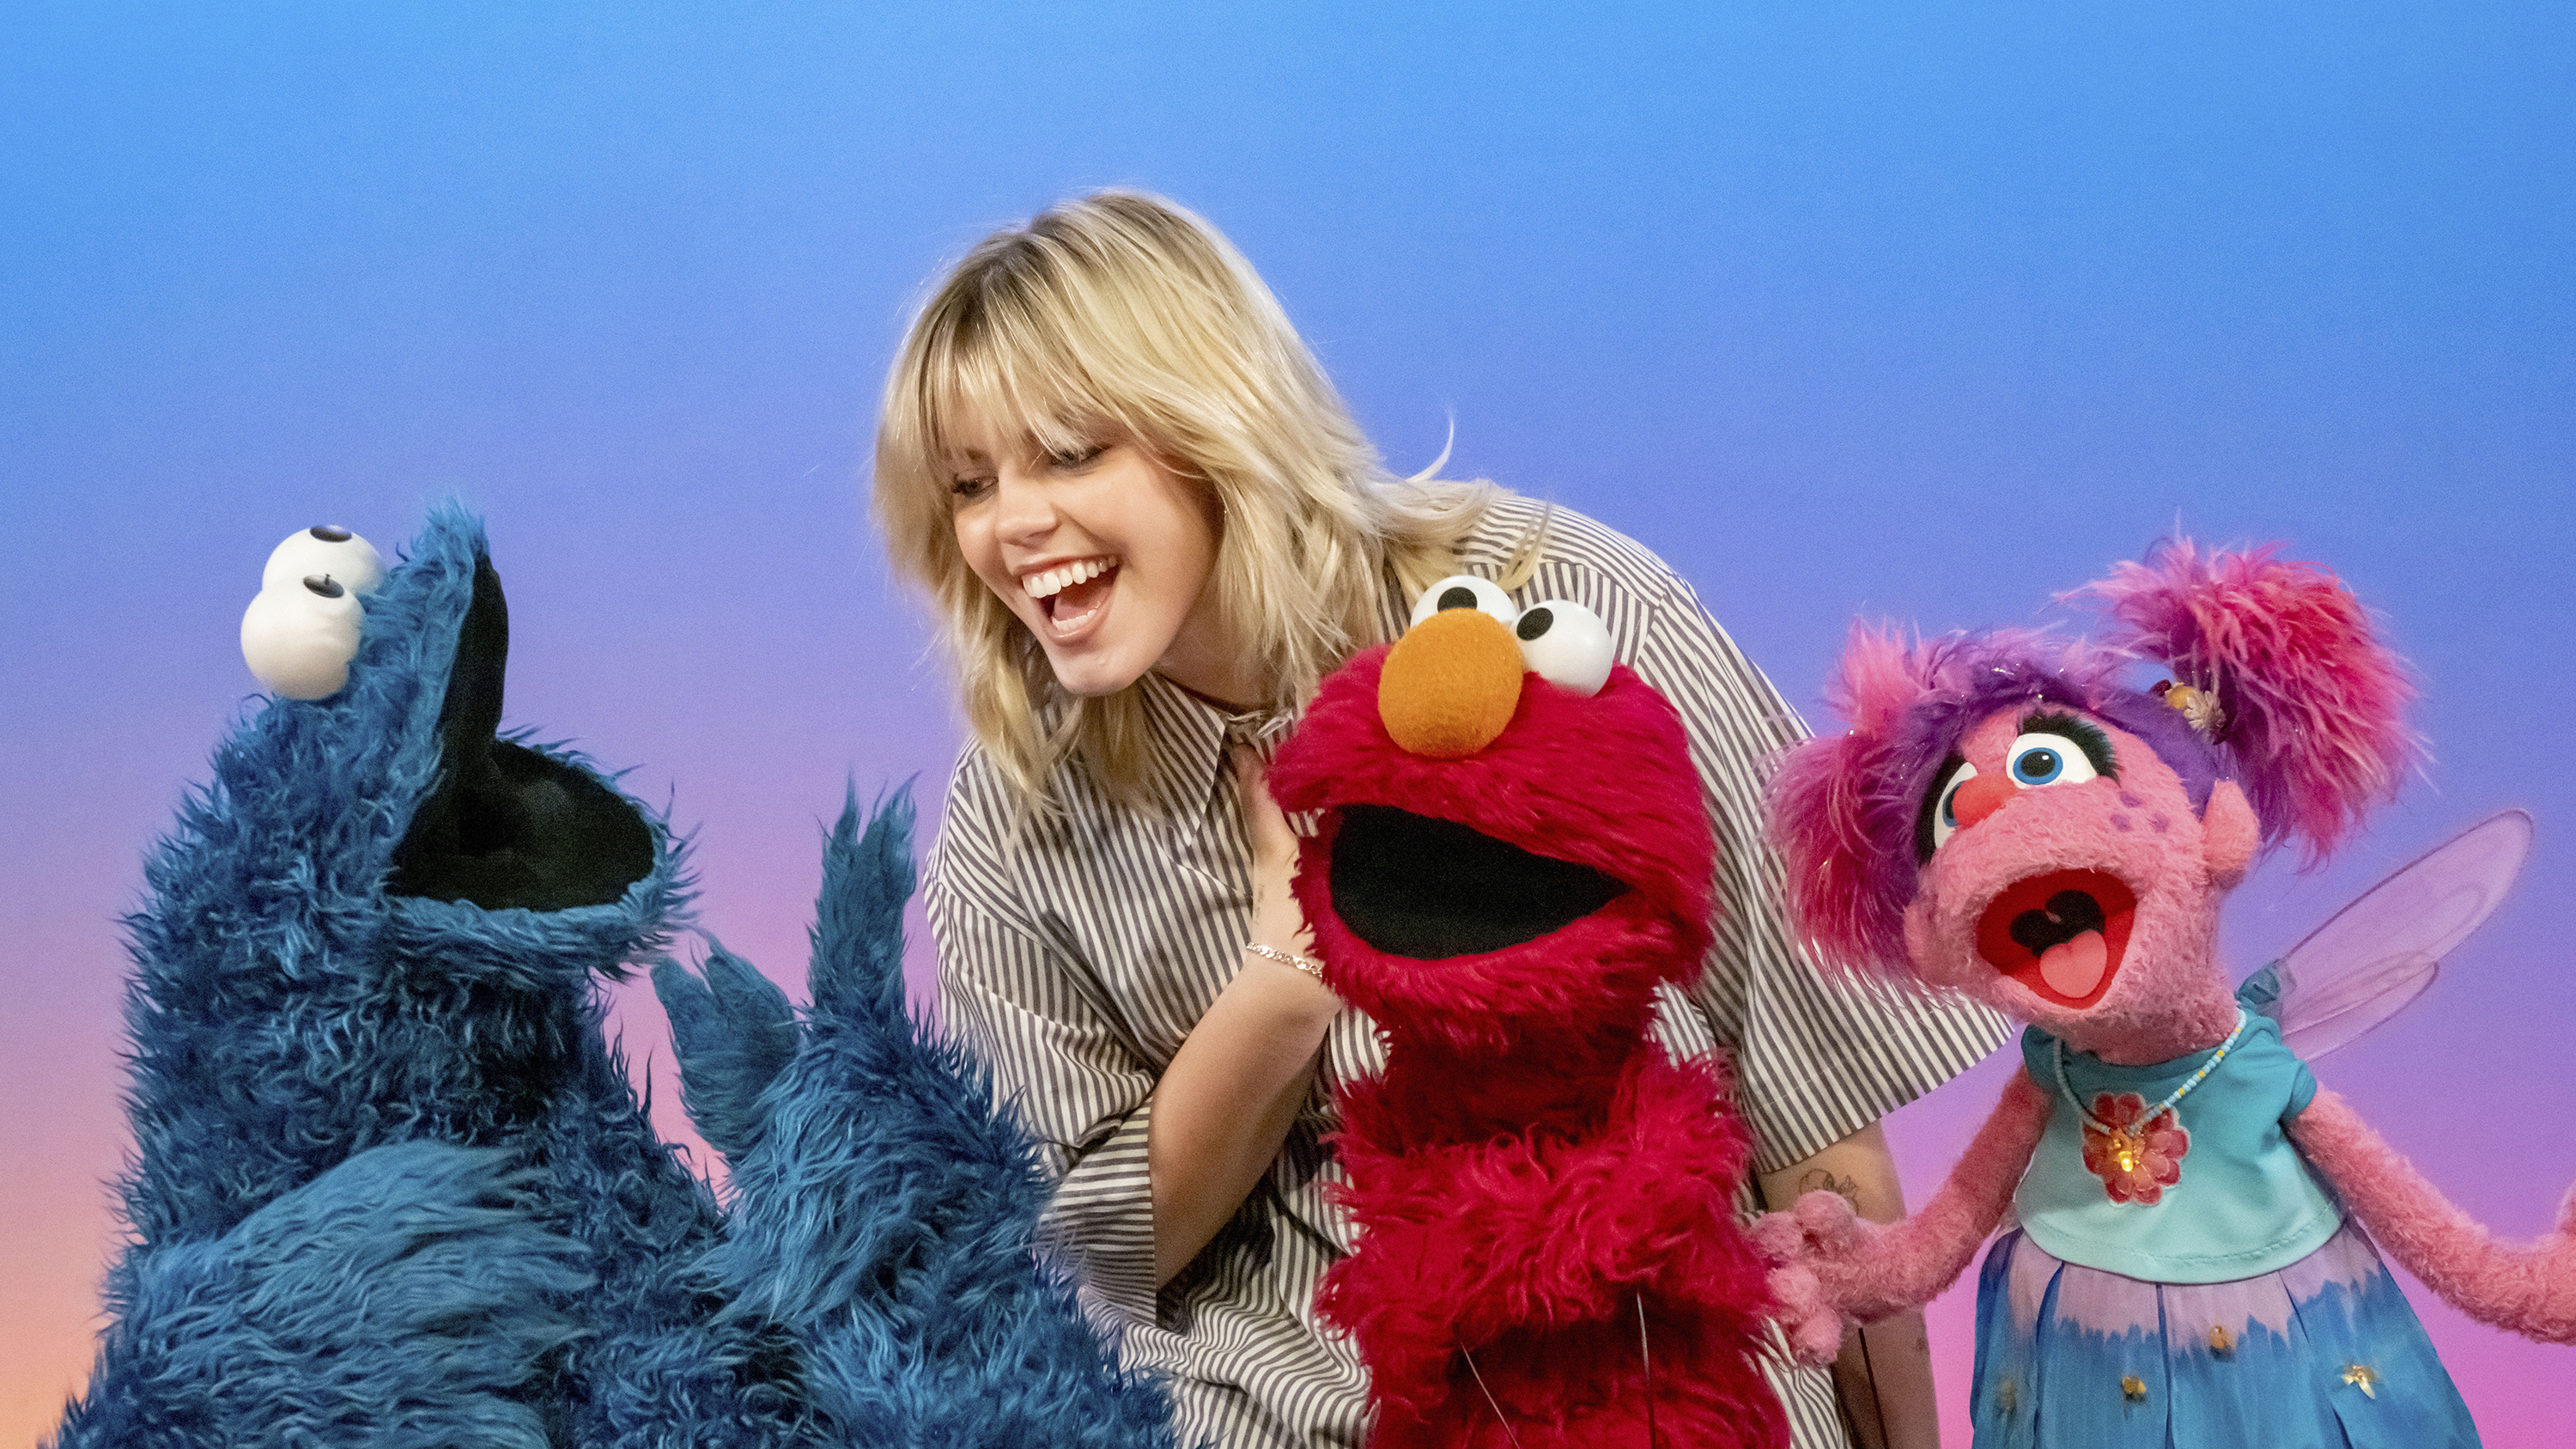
{"x": 2167, "y": 994}
{"x": 1831, "y": 1262}
{"x": 2530, "y": 1290}
{"x": 2313, "y": 703}
{"x": 2313, "y": 738}
{"x": 1842, "y": 807}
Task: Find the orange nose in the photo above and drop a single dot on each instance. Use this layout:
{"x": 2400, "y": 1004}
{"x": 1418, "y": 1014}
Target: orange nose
{"x": 1982, "y": 796}
{"x": 1450, "y": 684}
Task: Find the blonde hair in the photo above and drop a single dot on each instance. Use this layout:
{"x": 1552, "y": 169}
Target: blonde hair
{"x": 1125, "y": 309}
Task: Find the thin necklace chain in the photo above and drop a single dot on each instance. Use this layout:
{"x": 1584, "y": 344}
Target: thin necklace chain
{"x": 2171, "y": 1100}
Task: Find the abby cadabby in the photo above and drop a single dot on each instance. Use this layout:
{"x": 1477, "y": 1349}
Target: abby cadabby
{"x": 2193, "y": 1252}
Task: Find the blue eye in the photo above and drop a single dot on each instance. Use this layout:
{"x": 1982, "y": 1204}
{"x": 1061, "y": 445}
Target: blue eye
{"x": 2047, "y": 759}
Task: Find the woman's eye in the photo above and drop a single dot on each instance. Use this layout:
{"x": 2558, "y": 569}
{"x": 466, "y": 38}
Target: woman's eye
{"x": 1465, "y": 591}
{"x": 2046, "y": 759}
{"x": 1945, "y": 815}
{"x": 1071, "y": 458}
{"x": 1566, "y": 645}
{"x": 968, "y": 489}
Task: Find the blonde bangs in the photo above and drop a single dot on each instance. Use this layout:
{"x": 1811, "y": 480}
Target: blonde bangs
{"x": 1126, "y": 310}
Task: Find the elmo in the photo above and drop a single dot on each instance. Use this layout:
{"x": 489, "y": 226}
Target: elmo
{"x": 1509, "y": 859}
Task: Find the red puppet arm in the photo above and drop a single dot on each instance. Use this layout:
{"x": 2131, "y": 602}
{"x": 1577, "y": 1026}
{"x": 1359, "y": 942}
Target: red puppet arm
{"x": 1832, "y": 1265}
{"x": 2529, "y": 1289}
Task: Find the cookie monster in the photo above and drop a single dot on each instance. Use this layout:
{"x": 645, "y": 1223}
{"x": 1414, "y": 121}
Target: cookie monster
{"x": 391, "y": 1186}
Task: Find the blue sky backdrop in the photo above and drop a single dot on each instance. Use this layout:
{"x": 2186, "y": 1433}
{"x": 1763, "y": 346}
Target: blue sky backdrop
{"x": 1924, "y": 312}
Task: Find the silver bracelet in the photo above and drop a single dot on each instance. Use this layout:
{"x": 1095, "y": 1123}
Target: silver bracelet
{"x": 1284, "y": 958}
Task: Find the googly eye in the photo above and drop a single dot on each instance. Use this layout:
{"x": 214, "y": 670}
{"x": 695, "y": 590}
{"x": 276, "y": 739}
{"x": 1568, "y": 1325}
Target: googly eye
{"x": 298, "y": 638}
{"x": 1945, "y": 816}
{"x": 2047, "y": 759}
{"x": 327, "y": 549}
{"x": 1565, "y": 644}
{"x": 1465, "y": 591}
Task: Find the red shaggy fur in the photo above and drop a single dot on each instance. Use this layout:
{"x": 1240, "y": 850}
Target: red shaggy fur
{"x": 1531, "y": 1172}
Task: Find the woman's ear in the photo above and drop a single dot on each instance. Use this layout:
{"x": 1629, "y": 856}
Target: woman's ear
{"x": 2228, "y": 835}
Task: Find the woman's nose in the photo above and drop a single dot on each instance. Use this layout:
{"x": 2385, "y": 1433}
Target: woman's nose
{"x": 1450, "y": 684}
{"x": 1022, "y": 509}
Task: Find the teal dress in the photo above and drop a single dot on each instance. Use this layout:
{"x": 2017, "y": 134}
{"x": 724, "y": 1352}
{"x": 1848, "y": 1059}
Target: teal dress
{"x": 2185, "y": 1281}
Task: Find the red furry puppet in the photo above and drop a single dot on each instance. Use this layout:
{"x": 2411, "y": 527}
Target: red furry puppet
{"x": 2193, "y": 1261}
{"x": 1510, "y": 858}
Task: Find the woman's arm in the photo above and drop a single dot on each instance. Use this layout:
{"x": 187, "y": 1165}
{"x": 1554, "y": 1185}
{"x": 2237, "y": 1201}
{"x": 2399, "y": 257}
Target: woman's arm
{"x": 1886, "y": 1273}
{"x": 1235, "y": 1087}
{"x": 1884, "y": 1376}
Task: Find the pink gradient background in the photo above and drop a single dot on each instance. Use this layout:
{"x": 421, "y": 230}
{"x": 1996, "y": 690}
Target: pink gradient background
{"x": 1840, "y": 308}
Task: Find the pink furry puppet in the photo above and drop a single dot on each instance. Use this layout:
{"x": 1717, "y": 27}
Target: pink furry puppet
{"x": 2194, "y": 1260}
{"x": 1510, "y": 858}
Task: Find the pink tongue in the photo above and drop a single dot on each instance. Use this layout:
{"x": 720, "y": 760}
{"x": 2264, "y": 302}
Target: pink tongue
{"x": 2074, "y": 968}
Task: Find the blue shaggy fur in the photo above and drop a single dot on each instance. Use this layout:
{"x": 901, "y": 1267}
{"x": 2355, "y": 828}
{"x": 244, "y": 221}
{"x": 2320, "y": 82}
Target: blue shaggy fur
{"x": 392, "y": 1188}
{"x": 882, "y": 1210}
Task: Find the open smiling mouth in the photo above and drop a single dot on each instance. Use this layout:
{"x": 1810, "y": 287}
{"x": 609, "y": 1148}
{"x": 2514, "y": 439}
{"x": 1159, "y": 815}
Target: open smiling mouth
{"x": 1071, "y": 605}
{"x": 2061, "y": 934}
{"x": 1413, "y": 886}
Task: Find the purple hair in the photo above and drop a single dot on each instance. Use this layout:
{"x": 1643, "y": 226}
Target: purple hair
{"x": 2311, "y": 723}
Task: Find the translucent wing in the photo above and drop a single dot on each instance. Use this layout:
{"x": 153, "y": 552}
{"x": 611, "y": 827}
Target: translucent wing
{"x": 2376, "y": 955}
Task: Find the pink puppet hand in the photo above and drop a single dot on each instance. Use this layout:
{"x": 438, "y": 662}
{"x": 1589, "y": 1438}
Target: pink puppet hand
{"x": 1820, "y": 1253}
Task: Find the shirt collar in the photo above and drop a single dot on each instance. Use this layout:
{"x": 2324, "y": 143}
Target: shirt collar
{"x": 1186, "y": 739}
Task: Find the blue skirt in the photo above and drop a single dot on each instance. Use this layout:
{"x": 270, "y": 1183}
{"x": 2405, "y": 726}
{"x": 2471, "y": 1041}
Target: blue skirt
{"x": 2324, "y": 1354}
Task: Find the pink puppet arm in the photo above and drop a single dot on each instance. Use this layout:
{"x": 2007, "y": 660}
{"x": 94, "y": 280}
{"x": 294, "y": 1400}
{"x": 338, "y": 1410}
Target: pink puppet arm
{"x": 1831, "y": 1264}
{"x": 2529, "y": 1289}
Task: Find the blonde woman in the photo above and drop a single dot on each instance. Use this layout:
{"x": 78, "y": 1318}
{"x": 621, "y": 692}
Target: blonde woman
{"x": 1149, "y": 527}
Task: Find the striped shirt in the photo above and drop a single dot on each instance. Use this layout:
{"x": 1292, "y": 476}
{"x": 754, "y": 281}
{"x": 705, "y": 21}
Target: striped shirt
{"x": 1076, "y": 953}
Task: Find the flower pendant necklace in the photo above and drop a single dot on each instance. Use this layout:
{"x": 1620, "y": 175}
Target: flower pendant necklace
{"x": 2135, "y": 1149}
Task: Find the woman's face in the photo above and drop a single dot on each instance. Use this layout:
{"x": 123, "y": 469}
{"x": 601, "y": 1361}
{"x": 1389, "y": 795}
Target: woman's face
{"x": 1104, "y": 555}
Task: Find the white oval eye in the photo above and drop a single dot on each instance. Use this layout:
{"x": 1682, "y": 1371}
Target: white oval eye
{"x": 298, "y": 639}
{"x": 1945, "y": 817}
{"x": 326, "y": 549}
{"x": 1464, "y": 591}
{"x": 2040, "y": 758}
{"x": 1565, "y": 644}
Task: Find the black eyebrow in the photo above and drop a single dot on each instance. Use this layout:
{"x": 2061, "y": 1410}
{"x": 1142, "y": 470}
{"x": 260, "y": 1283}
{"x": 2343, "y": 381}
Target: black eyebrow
{"x": 2087, "y": 736}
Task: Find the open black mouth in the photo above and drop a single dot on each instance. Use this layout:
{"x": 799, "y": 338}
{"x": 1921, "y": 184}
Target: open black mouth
{"x": 1413, "y": 886}
{"x": 510, "y": 827}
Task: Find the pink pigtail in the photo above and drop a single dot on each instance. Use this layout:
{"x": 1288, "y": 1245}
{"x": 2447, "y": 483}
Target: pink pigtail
{"x": 2311, "y": 705}
{"x": 1842, "y": 898}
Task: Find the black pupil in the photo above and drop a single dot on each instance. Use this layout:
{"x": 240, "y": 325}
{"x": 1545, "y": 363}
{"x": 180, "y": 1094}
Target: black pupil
{"x": 2039, "y": 763}
{"x": 330, "y": 534}
{"x": 1535, "y": 622}
{"x": 1461, "y": 597}
{"x": 325, "y": 585}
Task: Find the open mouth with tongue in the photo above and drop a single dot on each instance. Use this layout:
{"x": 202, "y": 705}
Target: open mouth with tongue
{"x": 2061, "y": 934}
{"x": 1069, "y": 605}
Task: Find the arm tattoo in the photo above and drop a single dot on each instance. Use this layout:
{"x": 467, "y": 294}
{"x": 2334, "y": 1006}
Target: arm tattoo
{"x": 1816, "y": 1179}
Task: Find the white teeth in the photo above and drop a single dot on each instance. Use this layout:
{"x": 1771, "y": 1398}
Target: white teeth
{"x": 1056, "y": 580}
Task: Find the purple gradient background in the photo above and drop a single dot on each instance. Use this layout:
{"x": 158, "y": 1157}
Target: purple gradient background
{"x": 1841, "y": 308}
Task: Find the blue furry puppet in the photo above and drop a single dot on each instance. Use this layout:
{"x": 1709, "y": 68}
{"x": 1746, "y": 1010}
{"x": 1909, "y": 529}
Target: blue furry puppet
{"x": 391, "y": 1186}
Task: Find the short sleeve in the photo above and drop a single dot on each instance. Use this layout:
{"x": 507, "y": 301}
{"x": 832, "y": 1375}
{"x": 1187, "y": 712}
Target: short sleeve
{"x": 1057, "y": 1061}
{"x": 1817, "y": 1059}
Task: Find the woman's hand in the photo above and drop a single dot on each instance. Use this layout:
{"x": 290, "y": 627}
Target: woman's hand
{"x": 1235, "y": 1087}
{"x": 1277, "y": 920}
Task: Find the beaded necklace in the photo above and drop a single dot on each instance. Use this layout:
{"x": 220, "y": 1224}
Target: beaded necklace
{"x": 2129, "y": 1144}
